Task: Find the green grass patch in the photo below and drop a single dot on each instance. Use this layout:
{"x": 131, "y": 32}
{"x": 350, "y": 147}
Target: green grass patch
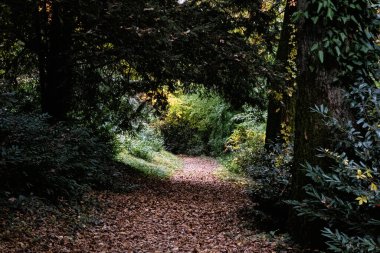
{"x": 162, "y": 164}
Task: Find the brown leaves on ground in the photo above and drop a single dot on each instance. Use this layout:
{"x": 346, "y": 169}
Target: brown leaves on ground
{"x": 191, "y": 212}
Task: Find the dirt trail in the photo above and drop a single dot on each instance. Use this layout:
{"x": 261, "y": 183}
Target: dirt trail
{"x": 194, "y": 211}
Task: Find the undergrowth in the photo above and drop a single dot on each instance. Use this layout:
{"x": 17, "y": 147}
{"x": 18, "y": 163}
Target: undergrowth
{"x": 345, "y": 195}
{"x": 51, "y": 160}
{"x": 196, "y": 124}
{"x": 144, "y": 151}
{"x": 245, "y": 145}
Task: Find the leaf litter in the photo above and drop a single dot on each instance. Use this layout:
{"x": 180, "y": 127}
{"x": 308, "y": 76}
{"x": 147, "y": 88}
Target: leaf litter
{"x": 193, "y": 211}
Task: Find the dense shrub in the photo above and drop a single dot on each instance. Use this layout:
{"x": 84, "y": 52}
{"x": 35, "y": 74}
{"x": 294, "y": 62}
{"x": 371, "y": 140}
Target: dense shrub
{"x": 246, "y": 146}
{"x": 246, "y": 143}
{"x": 346, "y": 194}
{"x": 143, "y": 150}
{"x": 142, "y": 143}
{"x": 49, "y": 160}
{"x": 267, "y": 169}
{"x": 196, "y": 123}
{"x": 23, "y": 97}
{"x": 270, "y": 173}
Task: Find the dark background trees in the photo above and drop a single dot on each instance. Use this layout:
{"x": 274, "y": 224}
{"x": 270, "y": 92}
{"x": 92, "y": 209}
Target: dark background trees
{"x": 160, "y": 42}
{"x": 281, "y": 100}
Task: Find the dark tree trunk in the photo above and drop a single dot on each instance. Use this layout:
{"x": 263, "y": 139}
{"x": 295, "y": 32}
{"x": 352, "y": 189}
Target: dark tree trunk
{"x": 40, "y": 22}
{"x": 55, "y": 61}
{"x": 281, "y": 111}
{"x": 313, "y": 88}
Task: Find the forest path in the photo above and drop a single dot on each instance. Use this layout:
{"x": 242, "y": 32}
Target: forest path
{"x": 194, "y": 211}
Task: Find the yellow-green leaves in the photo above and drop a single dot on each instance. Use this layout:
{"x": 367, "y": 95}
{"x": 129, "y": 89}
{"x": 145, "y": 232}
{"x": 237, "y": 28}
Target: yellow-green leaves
{"x": 360, "y": 175}
{"x": 362, "y": 199}
{"x": 363, "y": 175}
{"x": 368, "y": 173}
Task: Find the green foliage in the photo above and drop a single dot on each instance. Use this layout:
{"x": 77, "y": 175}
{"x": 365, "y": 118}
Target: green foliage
{"x": 161, "y": 164}
{"x": 143, "y": 143}
{"x": 346, "y": 195}
{"x": 270, "y": 173}
{"x": 340, "y": 242}
{"x": 22, "y": 97}
{"x": 269, "y": 176}
{"x": 246, "y": 143}
{"x": 143, "y": 150}
{"x": 350, "y": 36}
{"x": 120, "y": 47}
{"x": 267, "y": 170}
{"x": 196, "y": 123}
{"x": 50, "y": 160}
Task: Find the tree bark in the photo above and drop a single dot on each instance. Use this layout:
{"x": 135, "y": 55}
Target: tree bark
{"x": 281, "y": 111}
{"x": 316, "y": 87}
{"x": 40, "y": 22}
{"x": 55, "y": 62}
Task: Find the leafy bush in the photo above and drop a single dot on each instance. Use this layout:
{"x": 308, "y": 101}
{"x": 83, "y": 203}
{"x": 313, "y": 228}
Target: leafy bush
{"x": 346, "y": 194}
{"x": 22, "y": 97}
{"x": 268, "y": 170}
{"x": 247, "y": 147}
{"x": 144, "y": 143}
{"x": 246, "y": 143}
{"x": 49, "y": 160}
{"x": 196, "y": 123}
{"x": 340, "y": 242}
{"x": 271, "y": 175}
{"x": 143, "y": 151}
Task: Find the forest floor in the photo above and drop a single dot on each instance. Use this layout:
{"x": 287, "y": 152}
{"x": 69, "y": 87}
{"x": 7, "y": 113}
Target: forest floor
{"x": 193, "y": 211}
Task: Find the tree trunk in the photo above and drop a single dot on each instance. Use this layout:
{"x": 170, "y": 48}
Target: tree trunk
{"x": 40, "y": 22}
{"x": 313, "y": 88}
{"x": 55, "y": 63}
{"x": 281, "y": 110}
